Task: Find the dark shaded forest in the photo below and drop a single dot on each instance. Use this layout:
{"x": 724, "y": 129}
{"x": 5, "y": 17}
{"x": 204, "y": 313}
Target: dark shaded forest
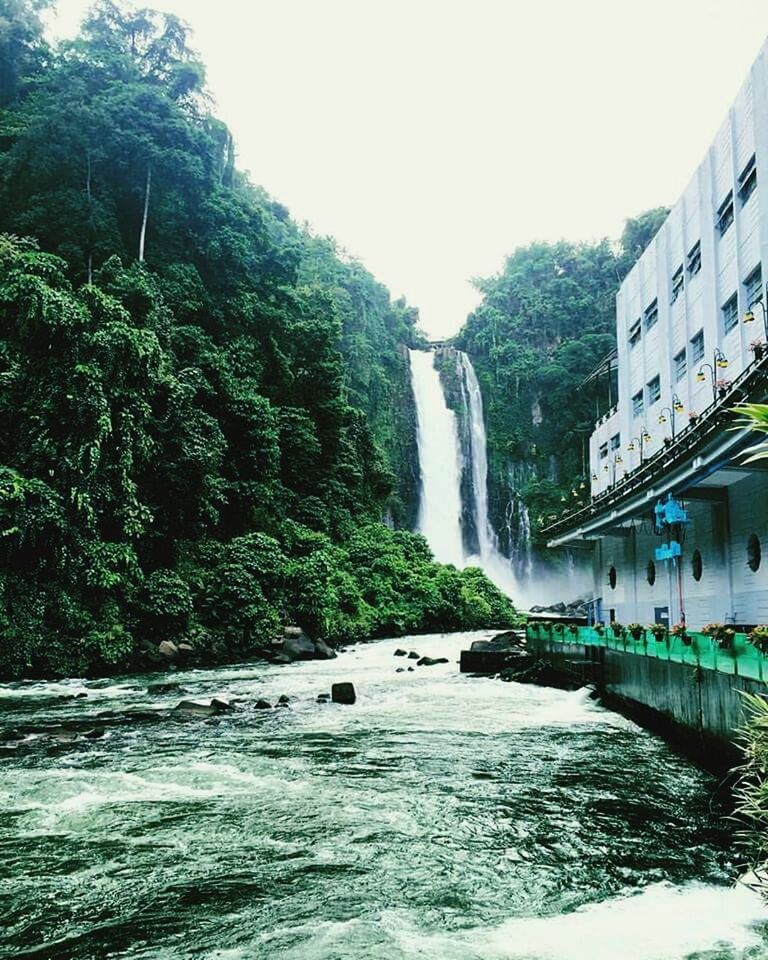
{"x": 205, "y": 414}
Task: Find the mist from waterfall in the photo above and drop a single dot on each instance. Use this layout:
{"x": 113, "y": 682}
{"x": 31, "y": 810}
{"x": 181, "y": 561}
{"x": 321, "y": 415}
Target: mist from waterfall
{"x": 442, "y": 465}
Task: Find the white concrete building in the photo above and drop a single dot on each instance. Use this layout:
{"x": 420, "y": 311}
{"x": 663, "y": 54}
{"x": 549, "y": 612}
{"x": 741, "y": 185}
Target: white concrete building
{"x": 685, "y": 356}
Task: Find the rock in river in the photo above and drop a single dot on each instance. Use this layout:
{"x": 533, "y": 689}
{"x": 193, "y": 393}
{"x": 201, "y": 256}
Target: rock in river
{"x": 431, "y": 661}
{"x": 343, "y": 693}
{"x": 202, "y": 708}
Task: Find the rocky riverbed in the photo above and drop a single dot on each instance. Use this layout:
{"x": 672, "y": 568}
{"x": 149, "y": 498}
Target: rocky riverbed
{"x": 439, "y": 817}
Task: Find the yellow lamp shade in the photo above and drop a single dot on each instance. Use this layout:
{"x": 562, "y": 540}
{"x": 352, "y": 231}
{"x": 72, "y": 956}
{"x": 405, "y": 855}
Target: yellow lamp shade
{"x": 749, "y": 317}
{"x": 679, "y": 408}
{"x": 619, "y": 460}
{"x": 631, "y": 446}
{"x": 662, "y": 418}
{"x": 700, "y": 377}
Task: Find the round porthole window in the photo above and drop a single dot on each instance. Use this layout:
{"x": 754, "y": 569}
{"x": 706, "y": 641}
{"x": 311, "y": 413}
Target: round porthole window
{"x": 696, "y": 565}
{"x": 612, "y": 577}
{"x": 651, "y": 572}
{"x": 754, "y": 553}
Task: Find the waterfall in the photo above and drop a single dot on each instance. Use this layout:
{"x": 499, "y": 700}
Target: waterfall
{"x": 478, "y": 457}
{"x": 443, "y": 464}
{"x": 439, "y": 460}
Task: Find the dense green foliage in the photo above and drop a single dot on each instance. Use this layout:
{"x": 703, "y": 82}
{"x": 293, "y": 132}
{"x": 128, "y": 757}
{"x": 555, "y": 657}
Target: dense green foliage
{"x": 544, "y": 324}
{"x": 199, "y": 402}
{"x": 751, "y": 788}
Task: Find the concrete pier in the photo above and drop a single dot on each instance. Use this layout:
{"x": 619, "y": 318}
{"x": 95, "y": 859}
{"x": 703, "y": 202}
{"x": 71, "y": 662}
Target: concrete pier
{"x": 697, "y": 710}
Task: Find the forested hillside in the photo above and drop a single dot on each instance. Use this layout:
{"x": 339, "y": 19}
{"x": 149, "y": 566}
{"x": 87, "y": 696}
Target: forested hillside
{"x": 544, "y": 324}
{"x": 203, "y": 409}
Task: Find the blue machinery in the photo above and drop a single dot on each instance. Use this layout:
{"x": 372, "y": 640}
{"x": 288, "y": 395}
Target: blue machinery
{"x": 670, "y": 519}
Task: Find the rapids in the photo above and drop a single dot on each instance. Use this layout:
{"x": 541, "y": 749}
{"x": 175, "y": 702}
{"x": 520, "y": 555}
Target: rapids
{"x": 441, "y": 818}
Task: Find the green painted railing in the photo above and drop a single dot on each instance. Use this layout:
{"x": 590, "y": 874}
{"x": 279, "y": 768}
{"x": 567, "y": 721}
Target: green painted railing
{"x": 740, "y": 658}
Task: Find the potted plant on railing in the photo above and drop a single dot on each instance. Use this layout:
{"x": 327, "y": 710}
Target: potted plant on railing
{"x": 721, "y": 634}
{"x": 573, "y": 629}
{"x": 680, "y": 630}
{"x": 599, "y": 628}
{"x": 758, "y": 347}
{"x": 618, "y": 629}
{"x": 722, "y": 386}
{"x": 692, "y": 417}
{"x": 559, "y": 628}
{"x": 636, "y": 630}
{"x": 759, "y": 638}
{"x": 658, "y": 631}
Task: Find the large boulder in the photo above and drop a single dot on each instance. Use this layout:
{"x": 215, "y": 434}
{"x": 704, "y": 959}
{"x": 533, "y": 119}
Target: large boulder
{"x": 323, "y": 651}
{"x": 413, "y": 655}
{"x": 299, "y": 648}
{"x": 168, "y": 649}
{"x": 400, "y": 652}
{"x": 202, "y": 708}
{"x": 343, "y": 693}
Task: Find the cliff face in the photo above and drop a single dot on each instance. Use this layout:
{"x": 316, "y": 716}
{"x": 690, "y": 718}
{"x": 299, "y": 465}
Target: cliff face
{"x": 545, "y": 322}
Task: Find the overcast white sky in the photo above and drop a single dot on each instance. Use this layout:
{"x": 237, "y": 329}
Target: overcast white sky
{"x": 432, "y": 137}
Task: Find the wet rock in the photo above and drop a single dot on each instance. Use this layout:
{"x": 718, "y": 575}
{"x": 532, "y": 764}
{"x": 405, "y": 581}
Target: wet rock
{"x": 431, "y": 661}
{"x": 400, "y": 670}
{"x": 343, "y": 693}
{"x": 96, "y": 734}
{"x": 323, "y": 651}
{"x": 262, "y": 705}
{"x": 283, "y": 698}
{"x": 289, "y": 630}
{"x": 167, "y": 648}
{"x": 323, "y": 697}
{"x": 201, "y": 708}
{"x": 410, "y": 670}
{"x": 167, "y": 686}
{"x": 281, "y": 658}
{"x": 413, "y": 655}
{"x": 7, "y": 735}
{"x": 400, "y": 652}
{"x": 9, "y": 749}
{"x": 186, "y": 648}
{"x": 299, "y": 648}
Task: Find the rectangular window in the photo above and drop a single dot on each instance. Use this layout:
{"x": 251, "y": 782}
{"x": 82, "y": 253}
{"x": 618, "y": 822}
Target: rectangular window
{"x": 634, "y": 334}
{"x": 677, "y": 283}
{"x": 748, "y": 181}
{"x": 651, "y": 315}
{"x": 637, "y": 404}
{"x": 603, "y": 451}
{"x": 654, "y": 390}
{"x": 753, "y": 287}
{"x": 681, "y": 366}
{"x": 694, "y": 259}
{"x": 615, "y": 441}
{"x": 697, "y": 347}
{"x": 725, "y": 214}
{"x": 730, "y": 310}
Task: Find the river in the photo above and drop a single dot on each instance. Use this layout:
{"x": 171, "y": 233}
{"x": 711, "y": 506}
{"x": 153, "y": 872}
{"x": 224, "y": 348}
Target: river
{"x": 441, "y": 818}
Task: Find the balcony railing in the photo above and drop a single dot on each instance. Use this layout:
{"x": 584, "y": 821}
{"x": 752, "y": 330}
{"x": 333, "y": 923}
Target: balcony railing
{"x": 751, "y": 384}
{"x": 739, "y": 658}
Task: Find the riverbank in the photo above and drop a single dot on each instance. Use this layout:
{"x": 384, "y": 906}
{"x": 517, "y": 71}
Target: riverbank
{"x": 441, "y": 816}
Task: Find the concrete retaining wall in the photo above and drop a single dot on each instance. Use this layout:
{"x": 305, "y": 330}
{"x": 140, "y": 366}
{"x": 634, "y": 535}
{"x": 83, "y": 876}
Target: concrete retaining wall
{"x": 699, "y": 711}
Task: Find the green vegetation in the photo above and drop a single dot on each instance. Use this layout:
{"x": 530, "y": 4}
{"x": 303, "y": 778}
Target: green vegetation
{"x": 751, "y": 789}
{"x": 203, "y": 409}
{"x": 544, "y": 324}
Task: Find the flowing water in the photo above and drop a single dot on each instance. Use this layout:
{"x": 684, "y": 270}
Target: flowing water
{"x": 442, "y": 817}
{"x": 439, "y": 461}
{"x": 442, "y": 465}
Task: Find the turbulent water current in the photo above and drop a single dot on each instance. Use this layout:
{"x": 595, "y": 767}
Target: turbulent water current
{"x": 441, "y": 817}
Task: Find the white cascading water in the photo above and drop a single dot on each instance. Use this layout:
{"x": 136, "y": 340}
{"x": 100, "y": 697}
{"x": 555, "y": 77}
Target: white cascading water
{"x": 440, "y": 462}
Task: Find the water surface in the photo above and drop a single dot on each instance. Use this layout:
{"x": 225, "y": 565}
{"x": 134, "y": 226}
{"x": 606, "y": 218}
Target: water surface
{"x": 440, "y": 818}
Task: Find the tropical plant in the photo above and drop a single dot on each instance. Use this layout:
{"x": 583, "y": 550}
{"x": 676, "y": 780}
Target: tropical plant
{"x": 658, "y": 631}
{"x": 753, "y": 416}
{"x": 720, "y": 633}
{"x": 758, "y": 637}
{"x": 636, "y": 630}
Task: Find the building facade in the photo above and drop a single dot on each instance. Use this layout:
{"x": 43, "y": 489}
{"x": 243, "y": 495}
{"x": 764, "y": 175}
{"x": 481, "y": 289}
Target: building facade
{"x": 685, "y": 357}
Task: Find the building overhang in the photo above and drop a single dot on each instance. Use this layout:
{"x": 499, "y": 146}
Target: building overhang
{"x": 702, "y": 458}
